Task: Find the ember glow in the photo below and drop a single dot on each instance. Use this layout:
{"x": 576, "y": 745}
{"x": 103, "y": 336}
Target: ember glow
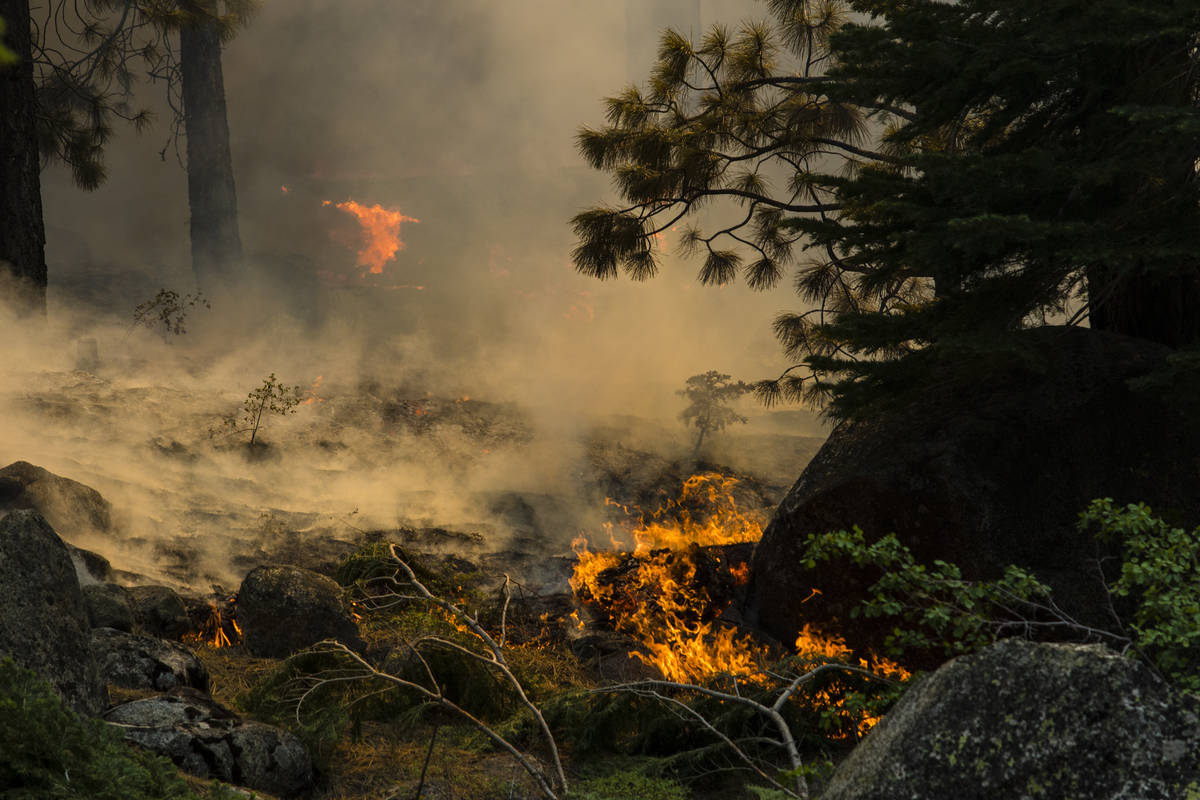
{"x": 381, "y": 233}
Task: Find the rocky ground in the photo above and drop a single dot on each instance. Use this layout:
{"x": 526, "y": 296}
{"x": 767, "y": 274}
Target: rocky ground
{"x": 169, "y": 514}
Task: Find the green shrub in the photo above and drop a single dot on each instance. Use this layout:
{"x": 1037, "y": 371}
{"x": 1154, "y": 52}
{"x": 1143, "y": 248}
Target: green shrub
{"x": 938, "y": 607}
{"x": 1160, "y": 574}
{"x": 47, "y": 752}
{"x": 1156, "y": 593}
{"x": 626, "y": 785}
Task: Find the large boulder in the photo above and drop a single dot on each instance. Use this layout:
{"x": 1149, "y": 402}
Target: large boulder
{"x": 992, "y": 466}
{"x": 206, "y": 739}
{"x": 1034, "y": 721}
{"x": 107, "y": 606}
{"x": 69, "y": 506}
{"x": 43, "y": 622}
{"x": 159, "y": 611}
{"x": 282, "y": 609}
{"x": 142, "y": 662}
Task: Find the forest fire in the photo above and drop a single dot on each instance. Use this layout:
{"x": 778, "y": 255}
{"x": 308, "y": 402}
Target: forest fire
{"x": 669, "y": 593}
{"x": 220, "y": 629}
{"x": 667, "y": 602}
{"x": 381, "y": 233}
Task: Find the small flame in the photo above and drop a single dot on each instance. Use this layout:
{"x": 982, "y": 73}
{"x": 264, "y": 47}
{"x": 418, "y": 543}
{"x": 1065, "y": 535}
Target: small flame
{"x": 284, "y": 188}
{"x": 381, "y": 233}
{"x": 313, "y": 397}
{"x": 216, "y": 630}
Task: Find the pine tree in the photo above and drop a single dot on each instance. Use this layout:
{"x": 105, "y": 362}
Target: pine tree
{"x": 952, "y": 171}
{"x": 709, "y": 411}
{"x": 77, "y": 64}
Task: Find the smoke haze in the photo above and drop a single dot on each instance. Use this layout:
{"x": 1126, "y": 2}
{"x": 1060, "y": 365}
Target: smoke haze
{"x": 459, "y": 113}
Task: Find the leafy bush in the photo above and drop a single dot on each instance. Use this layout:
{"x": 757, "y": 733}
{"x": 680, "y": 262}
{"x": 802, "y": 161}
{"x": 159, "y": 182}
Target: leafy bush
{"x": 169, "y": 310}
{"x": 1157, "y": 590}
{"x": 47, "y": 752}
{"x": 1160, "y": 574}
{"x": 270, "y": 398}
{"x": 940, "y": 608}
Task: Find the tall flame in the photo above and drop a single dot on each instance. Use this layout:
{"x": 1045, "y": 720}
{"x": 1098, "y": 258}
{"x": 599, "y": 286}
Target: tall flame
{"x": 668, "y": 625}
{"x": 381, "y": 233}
{"x": 661, "y": 605}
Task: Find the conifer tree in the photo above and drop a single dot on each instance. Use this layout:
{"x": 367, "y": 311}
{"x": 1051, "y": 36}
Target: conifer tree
{"x": 77, "y": 65}
{"x": 935, "y": 174}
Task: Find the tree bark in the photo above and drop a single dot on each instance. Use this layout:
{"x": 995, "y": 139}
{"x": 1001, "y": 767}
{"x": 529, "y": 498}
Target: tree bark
{"x": 212, "y": 197}
{"x": 22, "y": 232}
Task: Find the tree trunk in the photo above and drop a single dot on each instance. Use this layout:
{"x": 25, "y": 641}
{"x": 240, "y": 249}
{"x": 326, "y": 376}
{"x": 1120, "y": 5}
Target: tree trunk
{"x": 212, "y": 197}
{"x": 22, "y": 233}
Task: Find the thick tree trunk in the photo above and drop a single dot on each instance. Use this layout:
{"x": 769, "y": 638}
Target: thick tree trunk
{"x": 22, "y": 233}
{"x": 212, "y": 197}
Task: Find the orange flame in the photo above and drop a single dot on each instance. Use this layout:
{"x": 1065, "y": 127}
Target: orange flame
{"x": 676, "y": 525}
{"x": 663, "y": 608}
{"x": 669, "y": 625}
{"x": 381, "y": 233}
{"x": 214, "y": 632}
{"x": 313, "y": 397}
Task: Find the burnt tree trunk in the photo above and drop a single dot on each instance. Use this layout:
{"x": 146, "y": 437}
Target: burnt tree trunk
{"x": 22, "y": 233}
{"x": 212, "y": 197}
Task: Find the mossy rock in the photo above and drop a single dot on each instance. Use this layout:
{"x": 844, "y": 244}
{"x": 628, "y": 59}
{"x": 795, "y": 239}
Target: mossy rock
{"x": 1038, "y": 721}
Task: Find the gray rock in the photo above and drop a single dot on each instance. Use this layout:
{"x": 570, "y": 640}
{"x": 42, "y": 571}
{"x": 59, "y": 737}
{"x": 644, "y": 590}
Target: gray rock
{"x": 990, "y": 467}
{"x": 107, "y": 606}
{"x": 69, "y": 506}
{"x": 159, "y": 611}
{"x": 207, "y": 740}
{"x": 43, "y": 622}
{"x": 282, "y": 609}
{"x": 140, "y": 662}
{"x": 1034, "y": 721}
{"x": 90, "y": 567}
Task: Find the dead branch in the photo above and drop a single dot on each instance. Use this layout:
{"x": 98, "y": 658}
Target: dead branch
{"x": 554, "y": 786}
{"x": 772, "y": 712}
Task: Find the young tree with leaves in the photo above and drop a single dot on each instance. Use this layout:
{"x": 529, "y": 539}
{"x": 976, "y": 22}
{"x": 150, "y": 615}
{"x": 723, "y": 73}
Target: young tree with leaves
{"x": 709, "y": 411}
{"x": 936, "y": 175}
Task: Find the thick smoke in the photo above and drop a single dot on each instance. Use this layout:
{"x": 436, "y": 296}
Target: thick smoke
{"x": 460, "y": 113}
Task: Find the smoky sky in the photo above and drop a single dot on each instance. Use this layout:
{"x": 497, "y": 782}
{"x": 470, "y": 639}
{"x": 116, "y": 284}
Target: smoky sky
{"x": 459, "y": 113}
{"x": 462, "y": 114}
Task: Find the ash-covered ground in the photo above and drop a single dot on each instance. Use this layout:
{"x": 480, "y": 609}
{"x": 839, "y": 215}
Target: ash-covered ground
{"x": 506, "y": 483}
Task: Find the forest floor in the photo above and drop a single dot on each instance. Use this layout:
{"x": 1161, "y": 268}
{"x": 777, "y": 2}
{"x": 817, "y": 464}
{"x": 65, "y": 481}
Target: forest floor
{"x": 358, "y": 462}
